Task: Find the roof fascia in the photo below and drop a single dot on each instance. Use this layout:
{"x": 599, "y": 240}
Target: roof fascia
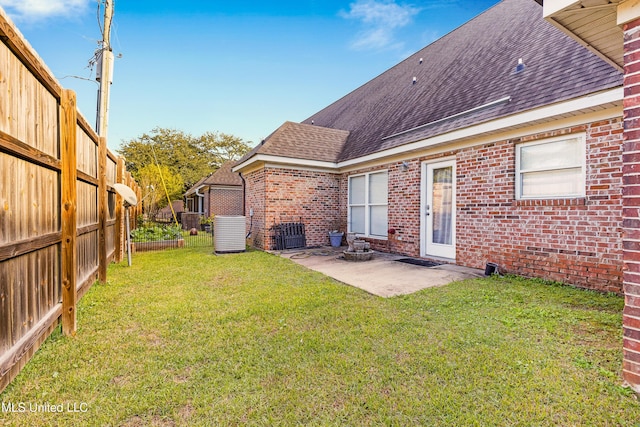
{"x": 224, "y": 187}
{"x": 549, "y": 112}
{"x": 507, "y": 134}
{"x": 552, "y": 7}
{"x": 584, "y": 103}
{"x": 268, "y": 159}
{"x": 195, "y": 191}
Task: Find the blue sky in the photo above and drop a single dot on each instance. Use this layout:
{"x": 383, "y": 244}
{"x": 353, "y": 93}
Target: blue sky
{"x": 238, "y": 67}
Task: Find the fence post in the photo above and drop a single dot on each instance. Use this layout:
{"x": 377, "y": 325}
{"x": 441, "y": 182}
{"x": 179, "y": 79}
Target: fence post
{"x": 139, "y": 211}
{"x": 119, "y": 217}
{"x": 102, "y": 209}
{"x": 69, "y": 174}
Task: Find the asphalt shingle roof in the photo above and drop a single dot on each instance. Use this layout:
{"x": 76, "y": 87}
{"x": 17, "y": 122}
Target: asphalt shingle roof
{"x": 224, "y": 176}
{"x": 303, "y": 141}
{"x": 467, "y": 68}
{"x": 472, "y": 66}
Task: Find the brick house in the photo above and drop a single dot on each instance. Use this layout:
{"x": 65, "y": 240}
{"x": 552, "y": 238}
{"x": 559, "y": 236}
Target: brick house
{"x": 166, "y": 214}
{"x": 500, "y": 142}
{"x": 220, "y": 193}
{"x": 611, "y": 29}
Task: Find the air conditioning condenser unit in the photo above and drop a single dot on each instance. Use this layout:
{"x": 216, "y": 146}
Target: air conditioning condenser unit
{"x": 229, "y": 233}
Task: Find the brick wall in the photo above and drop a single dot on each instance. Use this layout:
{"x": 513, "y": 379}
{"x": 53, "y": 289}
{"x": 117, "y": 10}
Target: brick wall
{"x": 631, "y": 203}
{"x": 255, "y": 202}
{"x": 575, "y": 241}
{"x": 403, "y": 207}
{"x": 291, "y": 195}
{"x": 225, "y": 201}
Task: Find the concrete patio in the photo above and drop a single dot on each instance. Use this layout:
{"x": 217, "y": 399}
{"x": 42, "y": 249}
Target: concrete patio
{"x": 383, "y": 275}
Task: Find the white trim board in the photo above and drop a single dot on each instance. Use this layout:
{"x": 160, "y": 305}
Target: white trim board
{"x": 599, "y": 106}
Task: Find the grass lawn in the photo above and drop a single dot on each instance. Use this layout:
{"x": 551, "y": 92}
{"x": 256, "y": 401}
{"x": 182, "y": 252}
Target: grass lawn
{"x": 184, "y": 337}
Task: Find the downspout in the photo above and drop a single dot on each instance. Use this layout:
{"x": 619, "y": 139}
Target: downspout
{"x": 244, "y": 205}
{"x": 197, "y": 193}
{"x": 244, "y": 191}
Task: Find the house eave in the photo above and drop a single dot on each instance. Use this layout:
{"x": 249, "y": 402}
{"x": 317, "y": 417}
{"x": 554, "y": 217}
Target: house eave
{"x": 608, "y": 101}
{"x": 593, "y": 23}
{"x": 194, "y": 191}
{"x": 267, "y": 159}
{"x": 604, "y": 100}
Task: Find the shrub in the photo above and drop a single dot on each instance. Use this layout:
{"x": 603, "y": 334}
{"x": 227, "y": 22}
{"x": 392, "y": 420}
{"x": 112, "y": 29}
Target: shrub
{"x": 155, "y": 233}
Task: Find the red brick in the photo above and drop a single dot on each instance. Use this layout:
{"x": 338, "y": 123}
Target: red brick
{"x": 631, "y": 322}
{"x": 631, "y": 356}
{"x": 577, "y": 241}
{"x": 631, "y": 367}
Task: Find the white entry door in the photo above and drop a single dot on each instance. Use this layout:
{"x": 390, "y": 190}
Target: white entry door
{"x": 439, "y": 209}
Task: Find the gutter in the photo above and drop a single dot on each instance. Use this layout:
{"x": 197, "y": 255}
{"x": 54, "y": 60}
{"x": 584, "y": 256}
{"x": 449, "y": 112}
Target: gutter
{"x": 244, "y": 193}
{"x": 607, "y": 98}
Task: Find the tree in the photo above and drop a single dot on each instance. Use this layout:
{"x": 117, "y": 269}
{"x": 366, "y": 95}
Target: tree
{"x": 223, "y": 147}
{"x": 153, "y": 180}
{"x": 185, "y": 155}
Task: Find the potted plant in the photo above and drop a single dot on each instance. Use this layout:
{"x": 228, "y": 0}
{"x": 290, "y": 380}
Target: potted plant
{"x": 205, "y": 223}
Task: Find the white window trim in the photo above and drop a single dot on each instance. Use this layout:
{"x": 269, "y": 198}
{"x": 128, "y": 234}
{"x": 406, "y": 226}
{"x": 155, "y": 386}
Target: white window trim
{"x": 366, "y": 204}
{"x": 583, "y": 165}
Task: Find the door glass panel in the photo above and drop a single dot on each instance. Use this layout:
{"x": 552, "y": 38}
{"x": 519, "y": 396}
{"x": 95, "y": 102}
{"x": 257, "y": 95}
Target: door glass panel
{"x": 442, "y": 206}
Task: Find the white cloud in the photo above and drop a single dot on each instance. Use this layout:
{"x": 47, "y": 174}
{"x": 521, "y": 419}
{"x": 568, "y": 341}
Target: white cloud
{"x": 33, "y": 10}
{"x": 381, "y": 18}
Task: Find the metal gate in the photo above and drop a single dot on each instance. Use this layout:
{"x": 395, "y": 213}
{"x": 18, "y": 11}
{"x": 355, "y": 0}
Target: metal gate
{"x": 288, "y": 235}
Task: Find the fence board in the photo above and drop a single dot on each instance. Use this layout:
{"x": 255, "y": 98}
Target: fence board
{"x": 87, "y": 204}
{"x": 86, "y": 154}
{"x": 111, "y": 170}
{"x": 28, "y": 289}
{"x": 110, "y": 242}
{"x": 29, "y": 208}
{"x": 28, "y": 109}
{"x": 54, "y": 173}
{"x": 87, "y": 254}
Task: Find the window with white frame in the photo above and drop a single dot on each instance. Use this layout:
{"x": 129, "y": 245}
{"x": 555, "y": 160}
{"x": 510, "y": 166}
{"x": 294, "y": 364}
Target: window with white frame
{"x": 368, "y": 195}
{"x": 551, "y": 169}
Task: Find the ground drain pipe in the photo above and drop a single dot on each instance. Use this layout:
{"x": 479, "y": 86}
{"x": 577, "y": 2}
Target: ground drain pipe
{"x": 491, "y": 268}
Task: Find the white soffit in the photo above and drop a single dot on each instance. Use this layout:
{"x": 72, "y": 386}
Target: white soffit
{"x": 593, "y": 23}
{"x": 604, "y": 101}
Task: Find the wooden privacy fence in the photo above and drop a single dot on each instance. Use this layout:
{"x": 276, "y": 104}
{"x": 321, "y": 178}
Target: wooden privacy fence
{"x": 61, "y": 222}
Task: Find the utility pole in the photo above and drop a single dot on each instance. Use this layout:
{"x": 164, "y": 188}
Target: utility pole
{"x": 105, "y": 67}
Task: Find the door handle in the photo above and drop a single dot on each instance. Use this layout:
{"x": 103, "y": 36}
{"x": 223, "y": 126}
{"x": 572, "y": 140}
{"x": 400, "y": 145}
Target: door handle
{"x": 426, "y": 211}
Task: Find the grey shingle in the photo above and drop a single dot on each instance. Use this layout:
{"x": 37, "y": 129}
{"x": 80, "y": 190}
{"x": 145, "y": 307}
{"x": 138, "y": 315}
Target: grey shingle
{"x": 469, "y": 67}
{"x": 224, "y": 176}
{"x": 303, "y": 141}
